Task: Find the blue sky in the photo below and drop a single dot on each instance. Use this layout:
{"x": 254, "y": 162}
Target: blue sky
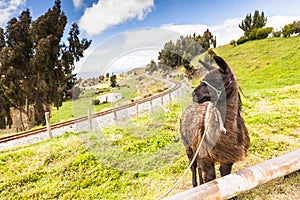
{"x": 143, "y": 26}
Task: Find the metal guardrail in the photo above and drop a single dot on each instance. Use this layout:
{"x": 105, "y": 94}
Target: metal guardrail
{"x": 5, "y": 139}
{"x": 244, "y": 180}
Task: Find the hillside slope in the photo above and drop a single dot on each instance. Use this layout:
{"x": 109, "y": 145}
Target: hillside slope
{"x": 142, "y": 158}
{"x": 265, "y": 64}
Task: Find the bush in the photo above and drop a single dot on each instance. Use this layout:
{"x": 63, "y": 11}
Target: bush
{"x": 296, "y": 27}
{"x": 95, "y": 102}
{"x": 263, "y": 33}
{"x": 292, "y": 28}
{"x": 287, "y": 30}
{"x": 242, "y": 40}
{"x": 252, "y": 35}
{"x": 233, "y": 43}
{"x": 276, "y": 33}
{"x": 76, "y": 92}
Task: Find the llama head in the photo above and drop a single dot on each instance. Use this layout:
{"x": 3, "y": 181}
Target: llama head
{"x": 216, "y": 84}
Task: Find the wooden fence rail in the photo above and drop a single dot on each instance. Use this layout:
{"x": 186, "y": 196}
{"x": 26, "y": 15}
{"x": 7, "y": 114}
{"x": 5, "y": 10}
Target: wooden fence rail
{"x": 246, "y": 179}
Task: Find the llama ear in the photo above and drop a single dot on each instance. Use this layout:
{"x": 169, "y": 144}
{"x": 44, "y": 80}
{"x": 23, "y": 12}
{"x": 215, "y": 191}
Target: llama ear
{"x": 206, "y": 65}
{"x": 222, "y": 64}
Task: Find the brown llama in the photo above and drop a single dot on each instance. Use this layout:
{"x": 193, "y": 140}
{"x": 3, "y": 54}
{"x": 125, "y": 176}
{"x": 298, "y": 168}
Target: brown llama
{"x": 215, "y": 111}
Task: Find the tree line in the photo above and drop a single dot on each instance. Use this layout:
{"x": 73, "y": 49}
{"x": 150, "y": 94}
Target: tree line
{"x": 186, "y": 48}
{"x": 182, "y": 51}
{"x": 36, "y": 66}
{"x": 253, "y": 27}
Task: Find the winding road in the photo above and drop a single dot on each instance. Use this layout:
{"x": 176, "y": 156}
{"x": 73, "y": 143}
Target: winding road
{"x": 10, "y": 141}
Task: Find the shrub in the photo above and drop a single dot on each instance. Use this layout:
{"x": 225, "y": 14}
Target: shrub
{"x": 76, "y": 92}
{"x": 287, "y": 30}
{"x": 296, "y": 27}
{"x": 233, "y": 43}
{"x": 252, "y": 35}
{"x": 276, "y": 33}
{"x": 242, "y": 40}
{"x": 95, "y": 102}
{"x": 263, "y": 33}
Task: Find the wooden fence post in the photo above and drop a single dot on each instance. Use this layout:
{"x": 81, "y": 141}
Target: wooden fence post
{"x": 47, "y": 117}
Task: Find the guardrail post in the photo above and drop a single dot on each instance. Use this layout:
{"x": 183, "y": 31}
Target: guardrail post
{"x": 151, "y": 106}
{"x": 137, "y": 110}
{"x": 47, "y": 117}
{"x": 170, "y": 100}
{"x": 90, "y": 120}
{"x": 162, "y": 101}
{"x": 115, "y": 116}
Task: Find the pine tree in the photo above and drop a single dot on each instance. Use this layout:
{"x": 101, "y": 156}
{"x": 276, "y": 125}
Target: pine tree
{"x": 71, "y": 53}
{"x": 15, "y": 58}
{"x": 48, "y": 82}
{"x": 35, "y": 66}
{"x": 113, "y": 80}
{"x": 250, "y": 23}
{"x": 173, "y": 55}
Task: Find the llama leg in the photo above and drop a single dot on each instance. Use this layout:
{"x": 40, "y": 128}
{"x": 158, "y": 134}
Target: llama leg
{"x": 190, "y": 154}
{"x": 200, "y": 176}
{"x": 208, "y": 170}
{"x": 194, "y": 174}
{"x": 225, "y": 168}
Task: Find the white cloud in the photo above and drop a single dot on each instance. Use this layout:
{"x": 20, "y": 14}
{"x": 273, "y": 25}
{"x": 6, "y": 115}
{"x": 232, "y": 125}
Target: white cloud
{"x": 125, "y": 51}
{"x": 224, "y": 32}
{"x": 131, "y": 60}
{"x": 77, "y": 3}
{"x": 107, "y": 13}
{"x": 8, "y": 8}
{"x": 136, "y": 48}
{"x": 186, "y": 29}
{"x": 227, "y": 31}
{"x": 148, "y": 38}
{"x": 278, "y": 22}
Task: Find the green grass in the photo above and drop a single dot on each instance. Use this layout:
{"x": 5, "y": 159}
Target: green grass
{"x": 142, "y": 158}
{"x": 78, "y": 108}
{"x": 117, "y": 163}
{"x": 263, "y": 65}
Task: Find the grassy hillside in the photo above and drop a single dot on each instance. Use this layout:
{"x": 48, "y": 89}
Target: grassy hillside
{"x": 78, "y": 108}
{"x": 143, "y": 157}
{"x": 265, "y": 64}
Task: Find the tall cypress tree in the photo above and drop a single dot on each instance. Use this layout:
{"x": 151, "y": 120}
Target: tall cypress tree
{"x": 5, "y": 117}
{"x": 35, "y": 66}
{"x": 71, "y": 53}
{"x": 47, "y": 32}
{"x": 253, "y": 22}
{"x": 15, "y": 61}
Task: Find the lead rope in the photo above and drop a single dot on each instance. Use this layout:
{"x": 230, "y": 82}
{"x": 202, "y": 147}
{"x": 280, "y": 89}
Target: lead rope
{"x": 218, "y": 92}
{"x": 193, "y": 160}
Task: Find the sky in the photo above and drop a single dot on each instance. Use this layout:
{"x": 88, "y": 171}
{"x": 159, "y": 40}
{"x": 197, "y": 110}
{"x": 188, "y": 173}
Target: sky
{"x": 129, "y": 33}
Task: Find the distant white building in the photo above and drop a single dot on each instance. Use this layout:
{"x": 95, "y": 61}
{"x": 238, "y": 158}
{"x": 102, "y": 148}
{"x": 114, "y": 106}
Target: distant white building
{"x": 112, "y": 97}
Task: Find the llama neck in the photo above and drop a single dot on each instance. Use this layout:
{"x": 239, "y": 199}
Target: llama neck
{"x": 229, "y": 109}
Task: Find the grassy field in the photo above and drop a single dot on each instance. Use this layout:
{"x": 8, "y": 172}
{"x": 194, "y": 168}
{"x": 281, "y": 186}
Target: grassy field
{"x": 78, "y": 108}
{"x": 142, "y": 158}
